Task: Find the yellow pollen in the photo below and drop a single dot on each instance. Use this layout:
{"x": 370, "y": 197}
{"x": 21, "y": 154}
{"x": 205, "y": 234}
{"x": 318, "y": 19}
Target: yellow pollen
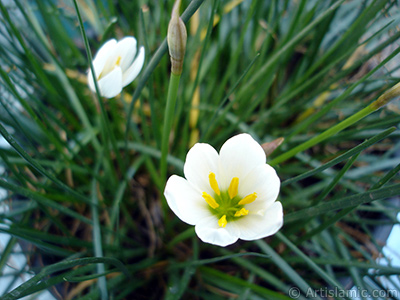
{"x": 214, "y": 183}
{"x": 233, "y": 187}
{"x": 242, "y": 212}
{"x": 210, "y": 200}
{"x": 222, "y": 221}
{"x": 248, "y": 199}
{"x": 226, "y": 204}
{"x": 118, "y": 61}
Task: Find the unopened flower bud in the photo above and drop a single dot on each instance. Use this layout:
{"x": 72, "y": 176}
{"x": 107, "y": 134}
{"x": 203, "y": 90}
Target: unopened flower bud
{"x": 176, "y": 38}
{"x": 386, "y": 97}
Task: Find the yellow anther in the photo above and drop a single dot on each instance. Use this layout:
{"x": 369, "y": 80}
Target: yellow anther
{"x": 248, "y": 199}
{"x": 210, "y": 200}
{"x": 242, "y": 212}
{"x": 233, "y": 187}
{"x": 222, "y": 221}
{"x": 214, "y": 183}
{"x": 118, "y": 61}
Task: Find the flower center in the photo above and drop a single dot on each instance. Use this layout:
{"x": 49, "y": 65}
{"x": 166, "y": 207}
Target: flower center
{"x": 227, "y": 205}
{"x": 109, "y": 67}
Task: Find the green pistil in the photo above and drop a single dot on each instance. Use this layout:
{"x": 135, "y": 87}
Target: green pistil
{"x": 227, "y": 206}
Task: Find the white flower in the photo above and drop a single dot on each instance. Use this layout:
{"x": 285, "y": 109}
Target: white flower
{"x": 227, "y": 196}
{"x": 116, "y": 65}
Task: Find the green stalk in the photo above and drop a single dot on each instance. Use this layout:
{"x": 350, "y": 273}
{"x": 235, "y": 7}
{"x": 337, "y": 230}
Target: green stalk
{"x": 328, "y": 279}
{"x": 271, "y": 62}
{"x": 38, "y": 167}
{"x": 336, "y": 160}
{"x": 335, "y": 180}
{"x": 168, "y": 120}
{"x": 285, "y": 268}
{"x": 156, "y": 58}
{"x": 176, "y": 39}
{"x": 97, "y": 244}
{"x": 60, "y": 74}
{"x": 381, "y": 101}
{"x": 107, "y": 133}
{"x": 60, "y": 266}
{"x": 350, "y": 201}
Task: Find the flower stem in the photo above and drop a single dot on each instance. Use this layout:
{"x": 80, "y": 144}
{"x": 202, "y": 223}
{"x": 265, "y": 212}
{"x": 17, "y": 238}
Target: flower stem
{"x": 153, "y": 63}
{"x": 326, "y": 134}
{"x": 168, "y": 119}
{"x": 384, "y": 99}
{"x": 107, "y": 133}
{"x": 97, "y": 237}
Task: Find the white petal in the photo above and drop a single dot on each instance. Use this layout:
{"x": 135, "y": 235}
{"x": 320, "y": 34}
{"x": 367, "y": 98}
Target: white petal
{"x": 253, "y": 226}
{"x": 102, "y": 56}
{"x": 111, "y": 84}
{"x": 100, "y": 60}
{"x": 239, "y": 155}
{"x": 133, "y": 71}
{"x": 120, "y": 55}
{"x": 200, "y": 161}
{"x": 185, "y": 201}
{"x": 126, "y": 49}
{"x": 209, "y": 232}
{"x": 91, "y": 81}
{"x": 264, "y": 181}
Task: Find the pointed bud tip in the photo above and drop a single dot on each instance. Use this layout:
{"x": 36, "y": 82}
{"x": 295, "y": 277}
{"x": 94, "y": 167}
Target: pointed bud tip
{"x": 176, "y": 39}
{"x": 386, "y": 97}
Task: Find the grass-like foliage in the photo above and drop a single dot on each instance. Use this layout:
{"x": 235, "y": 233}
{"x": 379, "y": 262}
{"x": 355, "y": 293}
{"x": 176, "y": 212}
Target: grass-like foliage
{"x": 84, "y": 196}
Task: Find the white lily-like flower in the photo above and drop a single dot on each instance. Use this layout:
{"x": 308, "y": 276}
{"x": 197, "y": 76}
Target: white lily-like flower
{"x": 227, "y": 196}
{"x": 116, "y": 65}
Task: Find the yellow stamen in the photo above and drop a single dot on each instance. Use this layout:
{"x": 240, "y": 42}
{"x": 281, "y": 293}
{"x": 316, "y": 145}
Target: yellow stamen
{"x": 233, "y": 187}
{"x": 214, "y": 183}
{"x": 242, "y": 212}
{"x": 222, "y": 222}
{"x": 210, "y": 200}
{"x": 248, "y": 199}
{"x": 118, "y": 61}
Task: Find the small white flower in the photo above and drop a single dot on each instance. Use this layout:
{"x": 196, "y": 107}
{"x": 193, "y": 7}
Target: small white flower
{"x": 227, "y": 196}
{"x": 116, "y": 65}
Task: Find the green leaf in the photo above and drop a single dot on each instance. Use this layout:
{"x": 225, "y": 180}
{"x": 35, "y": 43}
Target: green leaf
{"x": 354, "y": 200}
